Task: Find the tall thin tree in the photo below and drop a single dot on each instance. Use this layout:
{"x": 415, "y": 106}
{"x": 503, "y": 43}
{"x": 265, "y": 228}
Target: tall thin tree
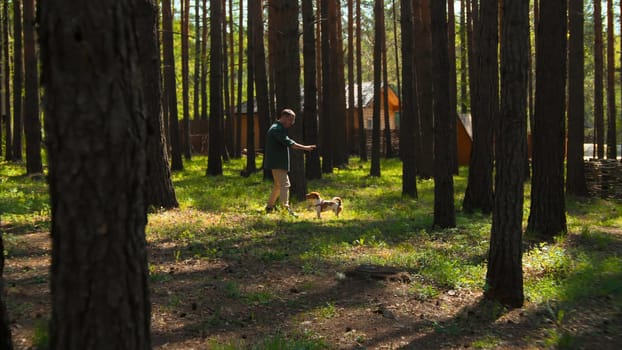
{"x": 611, "y": 92}
{"x": 378, "y": 37}
{"x": 444, "y": 213}
{"x": 423, "y": 66}
{"x": 287, "y": 81}
{"x": 547, "y": 216}
{"x": 479, "y": 192}
{"x": 32, "y": 120}
{"x": 6, "y": 66}
{"x": 504, "y": 275}
{"x": 18, "y": 80}
{"x": 362, "y": 135}
{"x": 185, "y": 77}
{"x": 313, "y": 167}
{"x": 409, "y": 103}
{"x": 170, "y": 86}
{"x": 160, "y": 192}
{"x": 575, "y": 173}
{"x": 599, "y": 117}
{"x": 216, "y": 118}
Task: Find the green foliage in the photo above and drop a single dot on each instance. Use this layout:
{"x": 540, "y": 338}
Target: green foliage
{"x": 40, "y": 335}
{"x": 222, "y": 218}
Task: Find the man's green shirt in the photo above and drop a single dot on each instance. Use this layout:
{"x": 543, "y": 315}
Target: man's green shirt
{"x": 277, "y": 147}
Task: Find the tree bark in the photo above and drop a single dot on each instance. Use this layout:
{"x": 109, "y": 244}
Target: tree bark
{"x": 287, "y": 82}
{"x": 170, "y": 86}
{"x": 408, "y": 138}
{"x": 479, "y": 192}
{"x": 423, "y": 65}
{"x": 375, "y": 133}
{"x": 214, "y": 161}
{"x": 97, "y": 168}
{"x": 32, "y": 121}
{"x": 611, "y": 92}
{"x": 185, "y": 76}
{"x": 504, "y": 276}
{"x": 444, "y": 213}
{"x": 6, "y": 117}
{"x": 160, "y": 192}
{"x": 359, "y": 82}
{"x": 599, "y": 117}
{"x": 575, "y": 173}
{"x": 547, "y": 216}
{"x": 313, "y": 166}
{"x": 18, "y": 79}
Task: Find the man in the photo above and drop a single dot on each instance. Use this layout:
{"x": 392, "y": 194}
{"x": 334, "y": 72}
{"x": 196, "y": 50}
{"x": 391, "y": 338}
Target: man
{"x": 277, "y": 158}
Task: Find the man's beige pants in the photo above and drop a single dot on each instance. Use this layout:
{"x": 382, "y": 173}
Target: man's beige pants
{"x": 280, "y": 189}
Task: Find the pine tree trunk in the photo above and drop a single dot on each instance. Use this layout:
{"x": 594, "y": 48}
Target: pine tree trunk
{"x": 97, "y": 169}
{"x": 599, "y": 118}
{"x": 32, "y": 121}
{"x": 575, "y": 173}
{"x": 18, "y": 80}
{"x": 170, "y": 86}
{"x": 504, "y": 276}
{"x": 547, "y": 216}
{"x": 160, "y": 192}
{"x": 444, "y": 213}
{"x": 423, "y": 65}
{"x": 6, "y": 117}
{"x": 375, "y": 133}
{"x": 479, "y": 193}
{"x": 409, "y": 104}
{"x": 313, "y": 166}
{"x": 214, "y": 161}
{"x": 611, "y": 92}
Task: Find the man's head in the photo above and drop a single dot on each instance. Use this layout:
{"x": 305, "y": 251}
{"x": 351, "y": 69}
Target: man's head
{"x": 287, "y": 117}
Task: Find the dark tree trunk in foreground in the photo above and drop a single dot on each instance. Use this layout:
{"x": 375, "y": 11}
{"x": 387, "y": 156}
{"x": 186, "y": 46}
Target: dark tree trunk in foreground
{"x": 32, "y": 122}
{"x": 478, "y": 195}
{"x": 547, "y": 216}
{"x": 444, "y": 213}
{"x": 575, "y": 173}
{"x": 504, "y": 277}
{"x": 160, "y": 192}
{"x": 409, "y": 104}
{"x": 214, "y": 161}
{"x": 97, "y": 168}
{"x": 313, "y": 166}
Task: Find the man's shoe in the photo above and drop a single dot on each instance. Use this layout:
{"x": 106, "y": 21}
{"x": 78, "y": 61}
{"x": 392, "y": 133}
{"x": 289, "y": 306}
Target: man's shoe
{"x": 291, "y": 212}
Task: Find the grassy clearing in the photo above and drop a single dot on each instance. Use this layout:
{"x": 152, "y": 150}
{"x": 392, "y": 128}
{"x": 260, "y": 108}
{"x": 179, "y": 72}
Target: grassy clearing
{"x": 222, "y": 218}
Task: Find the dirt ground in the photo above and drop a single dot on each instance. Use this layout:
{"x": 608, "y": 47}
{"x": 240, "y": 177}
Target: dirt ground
{"x": 199, "y": 302}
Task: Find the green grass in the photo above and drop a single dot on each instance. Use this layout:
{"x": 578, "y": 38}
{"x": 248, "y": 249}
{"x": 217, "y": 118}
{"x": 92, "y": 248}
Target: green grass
{"x": 223, "y": 216}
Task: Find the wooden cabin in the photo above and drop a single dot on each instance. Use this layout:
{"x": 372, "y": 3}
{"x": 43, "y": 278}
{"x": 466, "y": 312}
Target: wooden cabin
{"x": 464, "y": 138}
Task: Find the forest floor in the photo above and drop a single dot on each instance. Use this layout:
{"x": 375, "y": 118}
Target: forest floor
{"x": 200, "y": 303}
